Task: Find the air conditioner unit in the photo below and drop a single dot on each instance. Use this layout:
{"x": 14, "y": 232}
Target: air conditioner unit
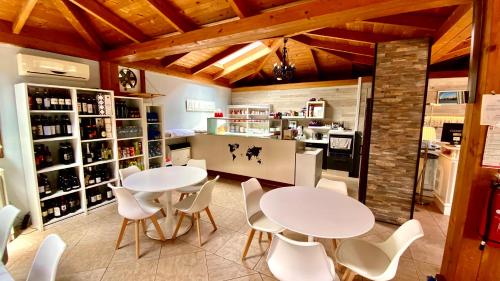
{"x": 46, "y": 67}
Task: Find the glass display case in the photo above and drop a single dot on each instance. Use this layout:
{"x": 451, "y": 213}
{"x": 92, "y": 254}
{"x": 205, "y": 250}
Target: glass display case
{"x": 263, "y": 128}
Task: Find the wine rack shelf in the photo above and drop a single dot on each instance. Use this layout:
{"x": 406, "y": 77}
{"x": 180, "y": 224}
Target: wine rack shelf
{"x": 54, "y": 139}
{"x": 54, "y": 220}
{"x": 156, "y": 143}
{"x": 101, "y": 183}
{"x": 51, "y": 111}
{"x": 99, "y": 163}
{"x": 107, "y": 202}
{"x": 132, "y": 157}
{"x": 95, "y": 140}
{"x": 60, "y": 193}
{"x": 57, "y": 168}
{"x": 131, "y": 138}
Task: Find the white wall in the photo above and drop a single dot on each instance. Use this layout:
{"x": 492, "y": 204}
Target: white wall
{"x": 176, "y": 91}
{"x": 12, "y": 163}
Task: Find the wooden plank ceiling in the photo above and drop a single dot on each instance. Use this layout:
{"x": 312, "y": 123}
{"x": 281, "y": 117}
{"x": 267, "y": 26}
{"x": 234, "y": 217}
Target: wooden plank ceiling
{"x": 201, "y": 39}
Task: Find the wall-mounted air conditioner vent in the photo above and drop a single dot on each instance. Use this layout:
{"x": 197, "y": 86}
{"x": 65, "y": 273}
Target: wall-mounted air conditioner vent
{"x": 46, "y": 67}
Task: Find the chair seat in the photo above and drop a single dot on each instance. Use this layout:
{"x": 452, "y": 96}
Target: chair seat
{"x": 260, "y": 222}
{"x": 190, "y": 189}
{"x": 4, "y": 274}
{"x": 302, "y": 275}
{"x": 362, "y": 257}
{"x": 147, "y": 196}
{"x": 148, "y": 207}
{"x": 186, "y": 203}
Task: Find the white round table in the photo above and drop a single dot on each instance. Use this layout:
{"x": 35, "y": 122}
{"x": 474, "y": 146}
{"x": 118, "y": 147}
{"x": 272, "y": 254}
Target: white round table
{"x": 166, "y": 179}
{"x": 317, "y": 212}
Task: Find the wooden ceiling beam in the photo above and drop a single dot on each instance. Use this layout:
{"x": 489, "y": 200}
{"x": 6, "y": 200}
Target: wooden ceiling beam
{"x": 102, "y": 13}
{"x": 23, "y": 16}
{"x": 352, "y": 58}
{"x": 335, "y": 46}
{"x": 241, "y": 75}
{"x": 206, "y": 64}
{"x": 454, "y": 54}
{"x": 424, "y": 22}
{"x": 456, "y": 29}
{"x": 170, "y": 60}
{"x": 40, "y": 39}
{"x": 155, "y": 66}
{"x": 310, "y": 15}
{"x": 352, "y": 35}
{"x": 240, "y": 62}
{"x": 75, "y": 17}
{"x": 173, "y": 15}
{"x": 242, "y": 9}
{"x": 274, "y": 47}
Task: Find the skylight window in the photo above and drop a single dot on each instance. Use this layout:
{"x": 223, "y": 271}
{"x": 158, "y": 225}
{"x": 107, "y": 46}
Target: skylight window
{"x": 239, "y": 53}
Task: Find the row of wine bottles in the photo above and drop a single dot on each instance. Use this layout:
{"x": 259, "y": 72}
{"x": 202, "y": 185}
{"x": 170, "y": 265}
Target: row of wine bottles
{"x": 124, "y": 111}
{"x": 97, "y": 174}
{"x": 60, "y": 206}
{"x": 49, "y": 99}
{"x": 97, "y": 152}
{"x": 66, "y": 181}
{"x": 95, "y": 128}
{"x": 99, "y": 104}
{"x": 98, "y": 195}
{"x": 46, "y": 127}
{"x": 43, "y": 156}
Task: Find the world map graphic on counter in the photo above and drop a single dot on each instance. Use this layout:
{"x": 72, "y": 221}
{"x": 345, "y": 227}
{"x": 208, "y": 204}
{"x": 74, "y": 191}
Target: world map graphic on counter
{"x": 252, "y": 153}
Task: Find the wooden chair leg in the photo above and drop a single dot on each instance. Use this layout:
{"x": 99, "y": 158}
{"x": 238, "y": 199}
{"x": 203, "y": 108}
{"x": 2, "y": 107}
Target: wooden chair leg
{"x": 157, "y": 226}
{"x": 144, "y": 227}
{"x": 247, "y": 245}
{"x": 156, "y": 200}
{"x": 351, "y": 276}
{"x": 211, "y": 218}
{"x": 181, "y": 217}
{"x": 137, "y": 251}
{"x": 122, "y": 231}
{"x": 269, "y": 237}
{"x": 180, "y": 199}
{"x": 197, "y": 215}
{"x": 346, "y": 274}
{"x": 260, "y": 236}
{"x": 163, "y": 212}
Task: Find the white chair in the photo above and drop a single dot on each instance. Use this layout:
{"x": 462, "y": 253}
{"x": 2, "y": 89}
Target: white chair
{"x": 377, "y": 261}
{"x": 252, "y": 192}
{"x": 44, "y": 267}
{"x": 141, "y": 195}
{"x": 7, "y": 216}
{"x": 337, "y": 186}
{"x": 194, "y": 204}
{"x": 291, "y": 260}
{"x": 185, "y": 191}
{"x": 136, "y": 211}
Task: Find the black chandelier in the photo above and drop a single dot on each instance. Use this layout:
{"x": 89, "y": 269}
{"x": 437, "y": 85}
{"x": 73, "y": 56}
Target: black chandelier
{"x": 284, "y": 72}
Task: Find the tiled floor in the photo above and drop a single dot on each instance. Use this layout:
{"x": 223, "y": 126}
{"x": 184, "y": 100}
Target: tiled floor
{"x": 90, "y": 253}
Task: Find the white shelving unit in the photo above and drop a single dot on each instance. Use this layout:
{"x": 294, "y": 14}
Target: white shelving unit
{"x": 156, "y": 142}
{"x": 23, "y": 92}
{"x": 137, "y": 141}
{"x": 249, "y": 111}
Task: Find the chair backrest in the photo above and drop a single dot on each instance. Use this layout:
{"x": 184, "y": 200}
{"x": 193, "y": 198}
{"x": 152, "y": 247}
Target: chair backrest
{"x": 124, "y": 173}
{"x": 252, "y": 192}
{"x": 204, "y": 196}
{"x": 397, "y": 243}
{"x": 293, "y": 260}
{"x": 7, "y": 216}
{"x": 199, "y": 163}
{"x": 128, "y": 207}
{"x": 337, "y": 186}
{"x": 44, "y": 267}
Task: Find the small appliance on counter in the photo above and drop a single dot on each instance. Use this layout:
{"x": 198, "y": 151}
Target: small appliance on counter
{"x": 344, "y": 151}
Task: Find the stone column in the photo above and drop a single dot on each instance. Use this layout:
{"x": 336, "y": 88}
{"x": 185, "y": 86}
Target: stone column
{"x": 399, "y": 94}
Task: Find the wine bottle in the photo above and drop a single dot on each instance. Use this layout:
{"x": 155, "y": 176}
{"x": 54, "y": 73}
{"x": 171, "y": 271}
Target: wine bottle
{"x": 47, "y": 132}
{"x": 67, "y": 125}
{"x": 61, "y": 102}
{"x": 90, "y": 106}
{"x": 48, "y": 157}
{"x": 68, "y": 103}
{"x": 84, "y": 105}
{"x": 89, "y": 157}
{"x": 38, "y": 100}
{"x": 46, "y": 101}
{"x": 54, "y": 102}
{"x": 57, "y": 126}
{"x": 57, "y": 210}
{"x": 64, "y": 206}
{"x": 52, "y": 127}
{"x": 50, "y": 211}
{"x": 44, "y": 212}
{"x": 91, "y": 176}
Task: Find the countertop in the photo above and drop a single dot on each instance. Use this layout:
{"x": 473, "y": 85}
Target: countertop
{"x": 322, "y": 141}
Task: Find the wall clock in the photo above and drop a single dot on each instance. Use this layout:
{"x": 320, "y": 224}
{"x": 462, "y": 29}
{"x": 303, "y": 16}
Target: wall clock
{"x": 127, "y": 78}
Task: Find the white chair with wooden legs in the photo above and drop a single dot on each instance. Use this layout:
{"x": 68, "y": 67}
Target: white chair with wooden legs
{"x": 7, "y": 216}
{"x": 194, "y": 204}
{"x": 44, "y": 267}
{"x": 135, "y": 211}
{"x": 252, "y": 192}
{"x": 337, "y": 186}
{"x": 377, "y": 261}
{"x": 141, "y": 195}
{"x": 185, "y": 191}
{"x": 291, "y": 260}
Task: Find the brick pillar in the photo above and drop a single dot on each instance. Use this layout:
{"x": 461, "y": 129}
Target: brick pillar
{"x": 399, "y": 92}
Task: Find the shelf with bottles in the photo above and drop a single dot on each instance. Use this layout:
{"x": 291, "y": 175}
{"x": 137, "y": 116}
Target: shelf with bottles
{"x": 155, "y": 149}
{"x": 46, "y": 99}
{"x": 98, "y": 174}
{"x": 45, "y": 162}
{"x": 254, "y": 111}
{"x": 57, "y": 209}
{"x": 98, "y": 195}
{"x": 130, "y": 149}
{"x": 125, "y": 163}
{"x": 50, "y": 128}
{"x": 52, "y": 184}
{"x": 94, "y": 103}
{"x": 94, "y": 153}
{"x": 128, "y": 108}
{"x": 96, "y": 128}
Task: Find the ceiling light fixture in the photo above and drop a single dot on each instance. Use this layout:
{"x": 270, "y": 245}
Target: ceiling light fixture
{"x": 285, "y": 71}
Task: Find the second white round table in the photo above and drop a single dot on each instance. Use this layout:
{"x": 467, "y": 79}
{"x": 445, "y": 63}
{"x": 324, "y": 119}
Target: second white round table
{"x": 166, "y": 179}
{"x": 317, "y": 212}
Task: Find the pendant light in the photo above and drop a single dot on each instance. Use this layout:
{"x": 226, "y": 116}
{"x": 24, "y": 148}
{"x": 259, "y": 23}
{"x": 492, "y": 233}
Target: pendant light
{"x": 285, "y": 71}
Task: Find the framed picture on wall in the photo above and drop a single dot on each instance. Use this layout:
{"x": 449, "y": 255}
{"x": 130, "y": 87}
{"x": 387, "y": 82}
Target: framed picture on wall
{"x": 452, "y": 97}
